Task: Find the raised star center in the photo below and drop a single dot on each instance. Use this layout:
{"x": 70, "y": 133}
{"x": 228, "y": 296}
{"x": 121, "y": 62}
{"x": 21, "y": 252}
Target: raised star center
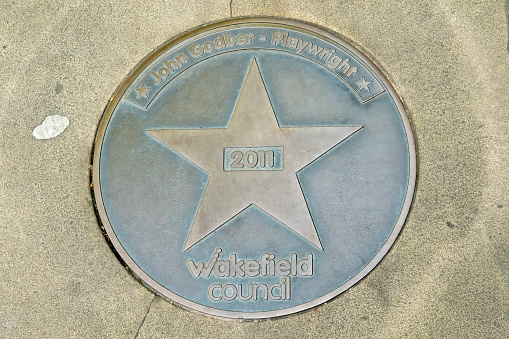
{"x": 253, "y": 126}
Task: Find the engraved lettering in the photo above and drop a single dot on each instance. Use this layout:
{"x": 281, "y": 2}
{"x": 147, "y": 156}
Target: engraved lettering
{"x": 208, "y": 47}
{"x": 252, "y": 268}
{"x": 172, "y": 65}
{"x": 276, "y": 37}
{"x": 331, "y": 60}
{"x": 324, "y": 53}
{"x": 229, "y": 296}
{"x": 249, "y": 292}
{"x": 157, "y": 77}
{"x": 269, "y": 155}
{"x": 351, "y": 72}
{"x": 334, "y": 62}
{"x": 292, "y": 42}
{"x": 236, "y": 266}
{"x": 265, "y": 291}
{"x": 285, "y": 39}
{"x": 283, "y": 267}
{"x": 210, "y": 292}
{"x": 285, "y": 289}
{"x": 169, "y": 67}
{"x": 272, "y": 265}
{"x": 219, "y": 42}
{"x": 344, "y": 65}
{"x": 250, "y": 159}
{"x": 222, "y": 41}
{"x": 181, "y": 59}
{"x": 314, "y": 49}
{"x": 253, "y": 158}
{"x": 293, "y": 260}
{"x": 196, "y": 270}
{"x": 264, "y": 264}
{"x": 230, "y": 292}
{"x": 301, "y": 45}
{"x": 267, "y": 265}
{"x": 237, "y": 158}
{"x": 222, "y": 268}
{"x": 332, "y": 51}
{"x": 271, "y": 293}
{"x": 241, "y": 39}
{"x": 230, "y": 40}
{"x": 261, "y": 157}
{"x": 196, "y": 50}
{"x": 305, "y": 266}
{"x": 163, "y": 72}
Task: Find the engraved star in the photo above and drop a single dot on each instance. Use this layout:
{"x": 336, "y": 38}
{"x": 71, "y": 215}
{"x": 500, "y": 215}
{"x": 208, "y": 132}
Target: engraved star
{"x": 363, "y": 84}
{"x": 142, "y": 91}
{"x": 278, "y": 192}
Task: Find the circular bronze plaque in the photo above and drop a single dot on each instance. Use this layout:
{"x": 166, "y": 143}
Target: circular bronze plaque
{"x": 253, "y": 168}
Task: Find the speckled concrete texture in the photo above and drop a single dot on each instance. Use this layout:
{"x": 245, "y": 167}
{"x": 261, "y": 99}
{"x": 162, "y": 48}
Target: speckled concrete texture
{"x": 447, "y": 275}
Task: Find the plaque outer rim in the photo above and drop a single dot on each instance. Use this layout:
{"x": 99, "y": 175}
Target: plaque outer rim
{"x": 158, "y": 289}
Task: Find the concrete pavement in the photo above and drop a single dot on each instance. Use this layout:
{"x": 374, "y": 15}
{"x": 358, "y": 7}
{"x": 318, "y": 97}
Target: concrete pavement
{"x": 447, "y": 274}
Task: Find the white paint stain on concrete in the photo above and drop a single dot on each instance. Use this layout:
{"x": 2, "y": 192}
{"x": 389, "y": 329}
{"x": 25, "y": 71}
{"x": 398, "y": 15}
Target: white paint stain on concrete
{"x": 52, "y": 126}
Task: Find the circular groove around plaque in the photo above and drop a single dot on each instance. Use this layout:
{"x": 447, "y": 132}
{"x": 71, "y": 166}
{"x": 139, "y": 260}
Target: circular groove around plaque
{"x": 253, "y": 168}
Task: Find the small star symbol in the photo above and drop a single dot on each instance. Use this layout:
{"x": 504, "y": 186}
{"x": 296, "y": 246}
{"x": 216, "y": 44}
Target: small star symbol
{"x": 142, "y": 91}
{"x": 363, "y": 84}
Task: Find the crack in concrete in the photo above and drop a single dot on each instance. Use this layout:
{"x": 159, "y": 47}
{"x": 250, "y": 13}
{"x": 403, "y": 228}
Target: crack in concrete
{"x": 145, "y": 317}
{"x": 231, "y": 9}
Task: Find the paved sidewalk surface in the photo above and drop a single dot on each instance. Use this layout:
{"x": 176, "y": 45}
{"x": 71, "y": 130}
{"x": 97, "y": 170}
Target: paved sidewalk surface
{"x": 446, "y": 276}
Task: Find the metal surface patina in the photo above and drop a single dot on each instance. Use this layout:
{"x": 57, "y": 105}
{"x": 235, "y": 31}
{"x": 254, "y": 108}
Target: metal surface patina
{"x": 253, "y": 168}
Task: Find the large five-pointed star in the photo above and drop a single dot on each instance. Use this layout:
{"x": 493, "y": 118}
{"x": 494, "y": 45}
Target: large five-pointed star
{"x": 277, "y": 192}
